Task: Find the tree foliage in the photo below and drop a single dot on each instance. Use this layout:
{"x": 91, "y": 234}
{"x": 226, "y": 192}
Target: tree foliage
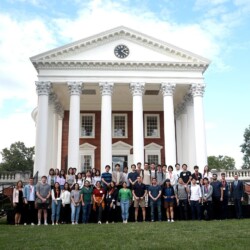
{"x": 221, "y": 162}
{"x": 17, "y": 158}
{"x": 245, "y": 149}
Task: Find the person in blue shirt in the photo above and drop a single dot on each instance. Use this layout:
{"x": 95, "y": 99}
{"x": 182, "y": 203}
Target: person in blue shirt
{"x": 168, "y": 195}
{"x": 132, "y": 176}
{"x": 216, "y": 197}
{"x": 106, "y": 178}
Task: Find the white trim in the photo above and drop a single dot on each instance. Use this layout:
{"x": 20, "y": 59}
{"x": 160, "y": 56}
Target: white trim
{"x": 86, "y": 149}
{"x": 153, "y": 149}
{"x": 158, "y": 126}
{"x": 126, "y": 125}
{"x": 93, "y": 125}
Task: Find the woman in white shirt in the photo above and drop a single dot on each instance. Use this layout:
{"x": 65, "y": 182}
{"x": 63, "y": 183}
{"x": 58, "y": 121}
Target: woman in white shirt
{"x": 56, "y": 203}
{"x": 207, "y": 173}
{"x": 79, "y": 180}
{"x": 96, "y": 178}
{"x": 171, "y": 176}
{"x": 66, "y": 204}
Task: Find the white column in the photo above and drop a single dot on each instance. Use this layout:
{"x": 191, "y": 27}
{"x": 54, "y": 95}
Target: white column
{"x": 178, "y": 139}
{"x": 60, "y": 113}
{"x": 75, "y": 89}
{"x": 169, "y": 125}
{"x": 199, "y": 124}
{"x": 43, "y": 90}
{"x": 106, "y": 90}
{"x": 55, "y": 139}
{"x": 137, "y": 90}
{"x": 191, "y": 134}
{"x": 184, "y": 135}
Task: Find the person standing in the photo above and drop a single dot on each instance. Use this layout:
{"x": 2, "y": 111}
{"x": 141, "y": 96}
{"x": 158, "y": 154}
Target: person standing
{"x": 140, "y": 170}
{"x": 117, "y": 176}
{"x": 216, "y": 197}
{"x": 86, "y": 198}
{"x": 18, "y": 195}
{"x": 29, "y": 200}
{"x": 106, "y": 177}
{"x": 125, "y": 197}
{"x": 132, "y": 176}
{"x": 62, "y": 179}
{"x": 98, "y": 199}
{"x": 224, "y": 196}
{"x": 185, "y": 175}
{"x": 75, "y": 204}
{"x": 181, "y": 195}
{"x": 168, "y": 195}
{"x": 43, "y": 193}
{"x": 70, "y": 178}
{"x": 111, "y": 199}
{"x": 125, "y": 175}
{"x": 207, "y": 191}
{"x": 96, "y": 177}
{"x": 195, "y": 200}
{"x": 171, "y": 176}
{"x": 66, "y": 200}
{"x": 177, "y": 171}
{"x": 207, "y": 173}
{"x": 139, "y": 193}
{"x": 159, "y": 175}
{"x": 196, "y": 175}
{"x": 56, "y": 203}
{"x": 154, "y": 192}
{"x": 237, "y": 192}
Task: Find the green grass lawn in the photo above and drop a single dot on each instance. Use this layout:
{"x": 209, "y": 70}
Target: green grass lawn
{"x": 230, "y": 234}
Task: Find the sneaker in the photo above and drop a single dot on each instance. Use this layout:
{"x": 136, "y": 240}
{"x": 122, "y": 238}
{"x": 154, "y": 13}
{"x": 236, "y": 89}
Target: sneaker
{"x": 99, "y": 222}
{"x": 45, "y": 224}
{"x": 32, "y": 224}
{"x": 39, "y": 223}
{"x": 57, "y": 223}
{"x": 107, "y": 222}
{"x": 172, "y": 220}
{"x": 152, "y": 220}
{"x": 168, "y": 220}
{"x": 126, "y": 221}
{"x": 73, "y": 223}
{"x": 76, "y": 223}
{"x": 25, "y": 224}
{"x": 53, "y": 224}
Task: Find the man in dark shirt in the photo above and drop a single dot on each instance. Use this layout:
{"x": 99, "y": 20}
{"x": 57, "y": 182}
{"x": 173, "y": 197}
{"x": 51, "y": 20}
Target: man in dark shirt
{"x": 139, "y": 193}
{"x": 106, "y": 177}
{"x": 132, "y": 176}
{"x": 216, "y": 198}
{"x": 224, "y": 196}
{"x": 185, "y": 175}
{"x": 196, "y": 175}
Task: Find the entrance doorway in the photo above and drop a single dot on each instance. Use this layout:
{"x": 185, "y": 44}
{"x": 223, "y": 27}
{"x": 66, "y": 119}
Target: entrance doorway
{"x": 121, "y": 159}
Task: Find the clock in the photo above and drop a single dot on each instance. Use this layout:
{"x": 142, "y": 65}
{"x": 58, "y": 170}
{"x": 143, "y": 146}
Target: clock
{"x": 121, "y": 51}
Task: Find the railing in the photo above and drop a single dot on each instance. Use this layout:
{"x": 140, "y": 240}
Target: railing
{"x": 12, "y": 177}
{"x": 244, "y": 174}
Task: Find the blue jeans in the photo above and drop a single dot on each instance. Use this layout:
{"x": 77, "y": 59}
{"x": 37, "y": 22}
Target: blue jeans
{"x": 56, "y": 208}
{"x": 125, "y": 209}
{"x": 195, "y": 209}
{"x": 154, "y": 204}
{"x": 75, "y": 211}
{"x": 86, "y": 209}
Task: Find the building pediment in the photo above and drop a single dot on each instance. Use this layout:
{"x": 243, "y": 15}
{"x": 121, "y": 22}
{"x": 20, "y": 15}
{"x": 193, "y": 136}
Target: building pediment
{"x": 153, "y": 146}
{"x": 121, "y": 146}
{"x": 98, "y": 52}
{"x": 87, "y": 146}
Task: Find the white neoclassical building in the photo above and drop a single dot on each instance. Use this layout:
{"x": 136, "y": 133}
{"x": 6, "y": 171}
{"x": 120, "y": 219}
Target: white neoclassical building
{"x": 119, "y": 96}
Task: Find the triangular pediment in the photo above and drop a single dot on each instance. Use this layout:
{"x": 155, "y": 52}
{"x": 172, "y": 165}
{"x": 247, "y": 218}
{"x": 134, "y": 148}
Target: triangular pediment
{"x": 121, "y": 146}
{"x": 153, "y": 146}
{"x": 99, "y": 49}
{"x": 87, "y": 146}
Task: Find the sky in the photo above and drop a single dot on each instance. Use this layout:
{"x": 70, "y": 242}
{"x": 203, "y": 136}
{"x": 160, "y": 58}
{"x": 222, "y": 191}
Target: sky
{"x": 215, "y": 29}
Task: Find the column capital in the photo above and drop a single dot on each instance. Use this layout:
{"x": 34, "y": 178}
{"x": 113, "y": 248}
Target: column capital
{"x": 167, "y": 89}
{"x": 43, "y": 88}
{"x": 52, "y": 98}
{"x": 59, "y": 110}
{"x": 198, "y": 89}
{"x": 75, "y": 88}
{"x": 188, "y": 99}
{"x": 137, "y": 88}
{"x": 106, "y": 88}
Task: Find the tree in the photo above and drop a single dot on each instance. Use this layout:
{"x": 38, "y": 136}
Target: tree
{"x": 17, "y": 158}
{"x": 245, "y": 149}
{"x": 221, "y": 162}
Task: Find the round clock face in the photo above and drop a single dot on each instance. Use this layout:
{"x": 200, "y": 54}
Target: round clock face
{"x": 121, "y": 51}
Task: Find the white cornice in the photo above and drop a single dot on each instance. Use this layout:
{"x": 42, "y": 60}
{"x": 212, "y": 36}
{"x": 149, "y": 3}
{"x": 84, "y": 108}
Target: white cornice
{"x": 119, "y": 65}
{"x": 114, "y": 34}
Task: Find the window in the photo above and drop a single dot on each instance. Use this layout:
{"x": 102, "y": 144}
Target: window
{"x": 87, "y": 125}
{"x": 153, "y": 159}
{"x": 120, "y": 125}
{"x": 152, "y": 126}
{"x": 86, "y": 163}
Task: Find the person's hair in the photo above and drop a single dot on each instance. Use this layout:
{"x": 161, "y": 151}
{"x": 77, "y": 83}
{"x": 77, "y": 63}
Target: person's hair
{"x": 196, "y": 167}
{"x": 107, "y": 166}
{"x": 138, "y": 163}
{"x": 165, "y": 183}
{"x": 124, "y": 182}
{"x": 44, "y": 176}
{"x": 97, "y": 183}
{"x": 171, "y": 167}
{"x": 62, "y": 175}
{"x": 184, "y": 165}
{"x": 76, "y": 184}
{"x": 57, "y": 171}
{"x": 69, "y": 170}
{"x": 177, "y": 164}
{"x": 152, "y": 163}
{"x": 125, "y": 167}
{"x": 86, "y": 181}
{"x": 117, "y": 165}
{"x": 97, "y": 171}
{"x": 145, "y": 163}
{"x": 223, "y": 174}
{"x": 154, "y": 178}
{"x": 52, "y": 169}
{"x": 66, "y": 183}
{"x": 204, "y": 171}
{"x": 77, "y": 176}
{"x": 31, "y": 178}
{"x": 205, "y": 178}
{"x": 18, "y": 183}
{"x": 159, "y": 165}
{"x": 133, "y": 165}
{"x": 215, "y": 174}
{"x": 110, "y": 185}
{"x": 59, "y": 188}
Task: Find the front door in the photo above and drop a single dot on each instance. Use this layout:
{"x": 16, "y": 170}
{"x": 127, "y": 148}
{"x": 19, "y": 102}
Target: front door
{"x": 121, "y": 159}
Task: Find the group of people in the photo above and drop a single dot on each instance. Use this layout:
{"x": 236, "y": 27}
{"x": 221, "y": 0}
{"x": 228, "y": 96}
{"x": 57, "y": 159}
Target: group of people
{"x": 153, "y": 186}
